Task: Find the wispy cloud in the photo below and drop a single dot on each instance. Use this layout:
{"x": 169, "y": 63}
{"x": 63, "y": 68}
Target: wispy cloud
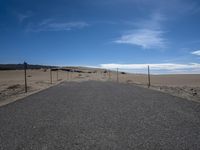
{"x": 172, "y": 7}
{"x": 154, "y": 22}
{"x": 147, "y": 34}
{"x": 23, "y": 16}
{"x": 145, "y": 38}
{"x": 52, "y": 25}
{"x": 170, "y": 67}
{"x": 196, "y": 53}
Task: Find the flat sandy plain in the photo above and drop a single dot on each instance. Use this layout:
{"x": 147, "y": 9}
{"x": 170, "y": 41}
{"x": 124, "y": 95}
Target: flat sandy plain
{"x": 12, "y": 82}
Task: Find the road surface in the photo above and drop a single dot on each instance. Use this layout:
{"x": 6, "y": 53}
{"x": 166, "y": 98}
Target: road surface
{"x": 100, "y": 116}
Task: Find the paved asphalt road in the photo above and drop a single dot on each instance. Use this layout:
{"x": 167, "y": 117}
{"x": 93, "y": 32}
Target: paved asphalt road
{"x": 100, "y": 115}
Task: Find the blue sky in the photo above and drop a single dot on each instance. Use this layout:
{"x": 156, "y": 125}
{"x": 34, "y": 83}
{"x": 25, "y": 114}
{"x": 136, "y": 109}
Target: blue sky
{"x": 128, "y": 34}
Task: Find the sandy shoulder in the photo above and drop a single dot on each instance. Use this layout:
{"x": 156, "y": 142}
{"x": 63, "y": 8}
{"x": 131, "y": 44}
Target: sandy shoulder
{"x": 12, "y": 82}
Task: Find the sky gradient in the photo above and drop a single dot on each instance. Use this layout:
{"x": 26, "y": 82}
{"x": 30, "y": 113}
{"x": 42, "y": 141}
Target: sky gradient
{"x": 128, "y": 34}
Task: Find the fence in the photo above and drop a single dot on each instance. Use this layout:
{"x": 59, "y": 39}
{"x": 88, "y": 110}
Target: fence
{"x": 15, "y": 82}
{"x": 130, "y": 76}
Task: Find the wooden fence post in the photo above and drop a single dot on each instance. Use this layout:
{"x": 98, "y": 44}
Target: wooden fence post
{"x": 67, "y": 75}
{"x": 25, "y": 78}
{"x": 50, "y": 76}
{"x": 57, "y": 74}
{"x": 117, "y": 75}
{"x": 149, "y": 80}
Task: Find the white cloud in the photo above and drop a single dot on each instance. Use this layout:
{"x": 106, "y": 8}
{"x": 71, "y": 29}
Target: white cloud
{"x": 146, "y": 38}
{"x": 172, "y": 67}
{"x": 196, "y": 53}
{"x": 147, "y": 34}
{"x": 51, "y": 25}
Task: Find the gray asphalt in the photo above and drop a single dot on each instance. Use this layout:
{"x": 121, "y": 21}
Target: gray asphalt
{"x": 100, "y": 115}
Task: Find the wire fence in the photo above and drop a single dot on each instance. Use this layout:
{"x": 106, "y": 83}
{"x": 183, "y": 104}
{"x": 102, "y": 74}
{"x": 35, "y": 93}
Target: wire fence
{"x": 150, "y": 77}
{"x": 15, "y": 82}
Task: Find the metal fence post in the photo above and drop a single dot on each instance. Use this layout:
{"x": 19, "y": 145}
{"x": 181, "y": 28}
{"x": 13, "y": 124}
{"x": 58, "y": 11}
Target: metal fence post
{"x": 25, "y": 78}
{"x": 149, "y": 80}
